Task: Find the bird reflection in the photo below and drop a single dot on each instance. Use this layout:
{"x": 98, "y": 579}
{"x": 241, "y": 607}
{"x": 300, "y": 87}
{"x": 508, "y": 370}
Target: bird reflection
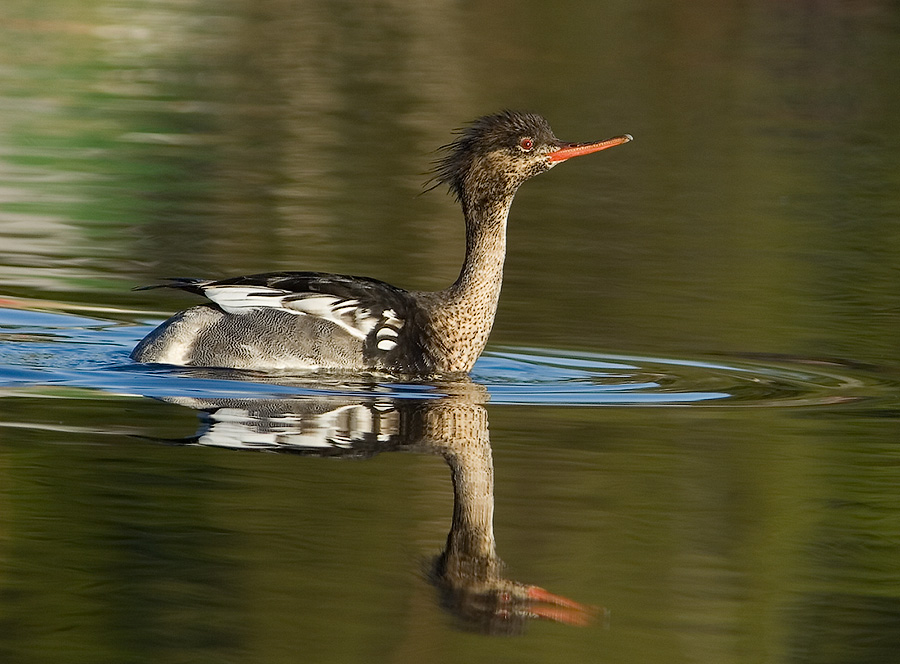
{"x": 468, "y": 574}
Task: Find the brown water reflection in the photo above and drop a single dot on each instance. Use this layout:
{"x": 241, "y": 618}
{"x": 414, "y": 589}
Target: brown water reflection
{"x": 468, "y": 573}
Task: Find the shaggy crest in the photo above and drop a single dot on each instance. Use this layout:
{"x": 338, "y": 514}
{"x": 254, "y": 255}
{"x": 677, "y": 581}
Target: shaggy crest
{"x": 489, "y": 133}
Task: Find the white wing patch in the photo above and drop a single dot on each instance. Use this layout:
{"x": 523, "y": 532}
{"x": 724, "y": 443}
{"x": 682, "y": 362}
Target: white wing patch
{"x": 242, "y": 299}
{"x": 348, "y": 314}
{"x": 389, "y": 330}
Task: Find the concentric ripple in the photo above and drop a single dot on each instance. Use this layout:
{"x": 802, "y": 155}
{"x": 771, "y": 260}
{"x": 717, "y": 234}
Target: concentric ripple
{"x": 45, "y": 351}
{"x": 540, "y": 376}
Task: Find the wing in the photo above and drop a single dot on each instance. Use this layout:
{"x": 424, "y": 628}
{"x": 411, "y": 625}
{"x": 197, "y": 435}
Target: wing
{"x": 379, "y": 315}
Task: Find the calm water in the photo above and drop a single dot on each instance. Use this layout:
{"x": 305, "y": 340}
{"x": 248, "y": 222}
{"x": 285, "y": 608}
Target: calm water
{"x": 688, "y": 410}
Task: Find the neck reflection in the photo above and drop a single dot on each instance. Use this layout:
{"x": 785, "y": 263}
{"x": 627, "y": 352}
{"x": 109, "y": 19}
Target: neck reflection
{"x": 468, "y": 573}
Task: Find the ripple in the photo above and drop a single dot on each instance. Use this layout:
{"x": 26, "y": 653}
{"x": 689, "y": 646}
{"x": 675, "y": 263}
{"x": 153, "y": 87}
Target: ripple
{"x": 40, "y": 350}
{"x": 542, "y": 376}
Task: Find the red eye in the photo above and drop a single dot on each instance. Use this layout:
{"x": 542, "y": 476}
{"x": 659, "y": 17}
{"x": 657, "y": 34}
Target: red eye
{"x": 526, "y": 144}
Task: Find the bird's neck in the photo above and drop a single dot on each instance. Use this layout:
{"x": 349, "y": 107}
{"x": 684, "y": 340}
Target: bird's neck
{"x": 481, "y": 275}
{"x": 463, "y": 321}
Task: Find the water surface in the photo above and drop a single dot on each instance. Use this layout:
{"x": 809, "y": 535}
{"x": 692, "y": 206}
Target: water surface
{"x": 690, "y": 399}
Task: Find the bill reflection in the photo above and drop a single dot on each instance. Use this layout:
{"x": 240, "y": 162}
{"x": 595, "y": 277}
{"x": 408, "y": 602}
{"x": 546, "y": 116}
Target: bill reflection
{"x": 468, "y": 574}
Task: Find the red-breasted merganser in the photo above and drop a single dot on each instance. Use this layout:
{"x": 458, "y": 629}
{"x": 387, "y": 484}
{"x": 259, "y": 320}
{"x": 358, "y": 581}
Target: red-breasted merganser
{"x": 304, "y": 321}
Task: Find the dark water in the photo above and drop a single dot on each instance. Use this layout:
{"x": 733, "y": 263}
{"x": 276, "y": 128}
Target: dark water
{"x": 692, "y": 388}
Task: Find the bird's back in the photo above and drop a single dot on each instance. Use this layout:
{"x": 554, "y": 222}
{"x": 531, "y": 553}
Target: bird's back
{"x": 292, "y": 321}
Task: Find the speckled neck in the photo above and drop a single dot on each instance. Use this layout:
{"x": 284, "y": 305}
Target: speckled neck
{"x": 461, "y": 317}
{"x": 485, "y": 247}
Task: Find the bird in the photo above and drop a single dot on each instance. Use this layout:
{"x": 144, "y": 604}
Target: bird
{"x": 311, "y": 321}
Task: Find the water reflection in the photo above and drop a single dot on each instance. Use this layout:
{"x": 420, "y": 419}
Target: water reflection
{"x": 468, "y": 574}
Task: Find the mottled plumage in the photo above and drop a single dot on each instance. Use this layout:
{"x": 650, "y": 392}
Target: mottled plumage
{"x": 310, "y": 320}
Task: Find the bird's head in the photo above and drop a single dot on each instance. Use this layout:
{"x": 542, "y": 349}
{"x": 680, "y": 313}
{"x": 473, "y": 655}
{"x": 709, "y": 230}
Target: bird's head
{"x": 499, "y": 152}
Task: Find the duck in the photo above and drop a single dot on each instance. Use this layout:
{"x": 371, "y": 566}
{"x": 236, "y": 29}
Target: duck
{"x": 308, "y": 321}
